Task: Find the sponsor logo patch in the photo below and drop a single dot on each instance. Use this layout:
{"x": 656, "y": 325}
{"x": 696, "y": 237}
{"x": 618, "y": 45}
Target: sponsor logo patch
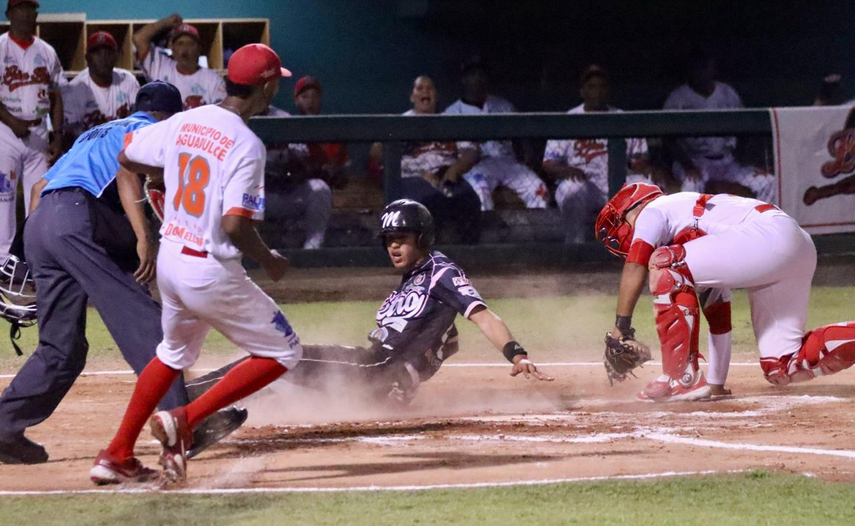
{"x": 253, "y": 202}
{"x": 460, "y": 281}
{"x": 469, "y": 291}
{"x": 281, "y": 324}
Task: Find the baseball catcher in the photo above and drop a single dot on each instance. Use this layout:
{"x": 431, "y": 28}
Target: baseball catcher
{"x": 692, "y": 249}
{"x": 415, "y": 330}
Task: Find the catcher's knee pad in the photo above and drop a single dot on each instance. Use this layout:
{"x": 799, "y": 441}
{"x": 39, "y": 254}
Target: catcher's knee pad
{"x": 825, "y": 350}
{"x": 676, "y": 311}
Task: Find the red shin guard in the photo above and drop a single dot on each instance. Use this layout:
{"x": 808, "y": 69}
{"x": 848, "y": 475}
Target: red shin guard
{"x": 825, "y": 350}
{"x": 676, "y": 311}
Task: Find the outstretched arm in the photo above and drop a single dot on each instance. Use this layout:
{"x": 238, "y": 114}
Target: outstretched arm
{"x": 495, "y": 330}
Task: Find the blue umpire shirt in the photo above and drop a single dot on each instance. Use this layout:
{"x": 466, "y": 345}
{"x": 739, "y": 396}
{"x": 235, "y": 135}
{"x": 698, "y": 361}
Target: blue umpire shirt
{"x": 92, "y": 162}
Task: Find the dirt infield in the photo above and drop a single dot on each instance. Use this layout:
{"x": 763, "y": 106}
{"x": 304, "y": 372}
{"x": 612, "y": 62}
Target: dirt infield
{"x": 475, "y": 425}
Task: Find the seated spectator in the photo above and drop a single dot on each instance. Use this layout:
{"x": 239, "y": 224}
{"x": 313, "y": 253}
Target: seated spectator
{"x": 101, "y": 92}
{"x": 707, "y": 164}
{"x": 582, "y": 165}
{"x": 498, "y": 165}
{"x": 299, "y": 176}
{"x": 198, "y": 85}
{"x": 432, "y": 174}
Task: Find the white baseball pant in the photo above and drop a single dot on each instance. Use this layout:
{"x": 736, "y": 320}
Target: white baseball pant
{"x": 20, "y": 159}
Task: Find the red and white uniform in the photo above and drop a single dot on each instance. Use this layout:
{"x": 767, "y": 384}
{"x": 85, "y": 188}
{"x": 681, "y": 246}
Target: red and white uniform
{"x": 579, "y": 201}
{"x": 213, "y": 167}
{"x": 734, "y": 242}
{"x": 713, "y": 156}
{"x": 498, "y": 165}
{"x": 86, "y": 104}
{"x": 198, "y": 89}
{"x": 30, "y": 72}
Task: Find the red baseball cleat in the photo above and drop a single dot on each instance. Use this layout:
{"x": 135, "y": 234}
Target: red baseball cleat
{"x": 665, "y": 389}
{"x": 171, "y": 430}
{"x": 108, "y": 470}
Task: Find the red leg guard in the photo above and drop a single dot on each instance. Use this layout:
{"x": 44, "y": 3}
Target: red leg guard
{"x": 825, "y": 350}
{"x": 676, "y": 310}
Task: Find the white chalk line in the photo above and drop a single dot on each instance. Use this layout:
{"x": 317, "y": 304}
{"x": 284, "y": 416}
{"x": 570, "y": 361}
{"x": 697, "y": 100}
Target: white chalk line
{"x": 471, "y": 365}
{"x": 472, "y": 485}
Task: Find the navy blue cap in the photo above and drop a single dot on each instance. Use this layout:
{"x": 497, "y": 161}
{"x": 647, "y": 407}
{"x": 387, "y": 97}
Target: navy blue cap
{"x": 159, "y": 96}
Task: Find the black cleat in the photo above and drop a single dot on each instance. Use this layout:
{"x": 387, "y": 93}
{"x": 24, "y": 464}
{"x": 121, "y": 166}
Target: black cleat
{"x": 215, "y": 428}
{"x": 21, "y": 450}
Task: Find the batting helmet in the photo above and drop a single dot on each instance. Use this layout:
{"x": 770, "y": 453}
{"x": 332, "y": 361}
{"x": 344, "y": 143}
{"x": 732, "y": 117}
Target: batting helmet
{"x": 611, "y": 227}
{"x": 408, "y": 216}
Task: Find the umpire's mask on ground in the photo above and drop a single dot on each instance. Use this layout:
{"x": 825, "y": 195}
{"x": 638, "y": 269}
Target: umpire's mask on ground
{"x": 408, "y": 216}
{"x": 17, "y": 290}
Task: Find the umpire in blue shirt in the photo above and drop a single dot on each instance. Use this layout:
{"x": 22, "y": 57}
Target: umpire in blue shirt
{"x": 82, "y": 248}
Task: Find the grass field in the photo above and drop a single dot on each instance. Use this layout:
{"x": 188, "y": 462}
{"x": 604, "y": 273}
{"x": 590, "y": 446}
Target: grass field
{"x": 553, "y": 329}
{"x": 753, "y": 498}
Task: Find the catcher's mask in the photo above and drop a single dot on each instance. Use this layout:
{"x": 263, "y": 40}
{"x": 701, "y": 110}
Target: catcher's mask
{"x": 17, "y": 297}
{"x": 408, "y": 216}
{"x": 611, "y": 227}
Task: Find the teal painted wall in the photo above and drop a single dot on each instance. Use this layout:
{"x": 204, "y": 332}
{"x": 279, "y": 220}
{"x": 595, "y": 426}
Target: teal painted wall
{"x": 366, "y": 54}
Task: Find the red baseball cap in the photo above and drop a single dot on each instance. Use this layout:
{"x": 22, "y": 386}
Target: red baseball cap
{"x": 13, "y": 3}
{"x": 101, "y": 39}
{"x": 255, "y": 64}
{"x": 184, "y": 29}
{"x": 305, "y": 83}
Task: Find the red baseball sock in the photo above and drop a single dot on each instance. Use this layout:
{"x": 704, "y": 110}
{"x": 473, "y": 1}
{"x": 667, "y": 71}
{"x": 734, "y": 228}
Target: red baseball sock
{"x": 246, "y": 378}
{"x": 152, "y": 385}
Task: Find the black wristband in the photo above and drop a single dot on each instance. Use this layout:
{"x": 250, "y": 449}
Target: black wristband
{"x": 624, "y": 324}
{"x": 512, "y": 349}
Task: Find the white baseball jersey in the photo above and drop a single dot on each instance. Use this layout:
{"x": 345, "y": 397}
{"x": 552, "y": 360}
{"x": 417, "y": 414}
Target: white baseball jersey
{"x": 203, "y": 87}
{"x": 739, "y": 243}
{"x": 213, "y": 166}
{"x": 86, "y": 104}
{"x": 421, "y": 157}
{"x": 723, "y": 97}
{"x": 29, "y": 73}
{"x": 591, "y": 155}
{"x": 493, "y": 104}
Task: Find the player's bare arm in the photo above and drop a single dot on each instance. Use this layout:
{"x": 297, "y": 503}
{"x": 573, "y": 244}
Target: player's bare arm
{"x": 495, "y": 330}
{"x": 242, "y": 232}
{"x": 154, "y": 172}
{"x": 560, "y": 170}
{"x": 36, "y": 193}
{"x": 466, "y": 159}
{"x": 57, "y": 117}
{"x": 131, "y": 195}
{"x": 20, "y": 127}
{"x": 142, "y": 38}
{"x": 632, "y": 281}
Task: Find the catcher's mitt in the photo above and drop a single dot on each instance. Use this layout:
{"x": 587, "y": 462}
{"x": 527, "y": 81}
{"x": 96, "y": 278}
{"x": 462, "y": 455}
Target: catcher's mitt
{"x": 623, "y": 355}
{"x": 155, "y": 193}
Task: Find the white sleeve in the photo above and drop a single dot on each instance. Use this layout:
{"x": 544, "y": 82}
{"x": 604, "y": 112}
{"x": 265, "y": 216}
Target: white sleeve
{"x": 636, "y": 148}
{"x": 556, "y": 150}
{"x": 154, "y": 63}
{"x": 218, "y": 91}
{"x": 57, "y": 79}
{"x": 651, "y": 227}
{"x": 70, "y": 106}
{"x": 147, "y": 145}
{"x": 244, "y": 192}
{"x": 673, "y": 101}
{"x": 132, "y": 86}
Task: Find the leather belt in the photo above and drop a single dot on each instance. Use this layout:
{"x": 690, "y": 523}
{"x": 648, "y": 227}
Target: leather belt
{"x": 195, "y": 253}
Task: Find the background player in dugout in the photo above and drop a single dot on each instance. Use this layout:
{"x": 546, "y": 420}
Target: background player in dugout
{"x": 81, "y": 248}
{"x": 415, "y": 330}
{"x": 29, "y": 94}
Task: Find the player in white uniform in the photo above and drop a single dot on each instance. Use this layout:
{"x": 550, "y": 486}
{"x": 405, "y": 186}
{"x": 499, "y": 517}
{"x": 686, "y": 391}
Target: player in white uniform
{"x": 101, "y": 92}
{"x": 498, "y": 165}
{"x": 198, "y": 85}
{"x": 213, "y": 171}
{"x": 691, "y": 243}
{"x": 29, "y": 95}
{"x": 582, "y": 165}
{"x": 700, "y": 160}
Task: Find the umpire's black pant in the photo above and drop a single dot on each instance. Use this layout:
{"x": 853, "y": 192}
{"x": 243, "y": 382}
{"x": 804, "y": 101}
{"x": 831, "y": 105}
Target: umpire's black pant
{"x": 69, "y": 270}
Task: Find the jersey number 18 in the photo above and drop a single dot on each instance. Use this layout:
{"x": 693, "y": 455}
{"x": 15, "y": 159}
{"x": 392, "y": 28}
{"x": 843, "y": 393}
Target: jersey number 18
{"x": 197, "y": 173}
